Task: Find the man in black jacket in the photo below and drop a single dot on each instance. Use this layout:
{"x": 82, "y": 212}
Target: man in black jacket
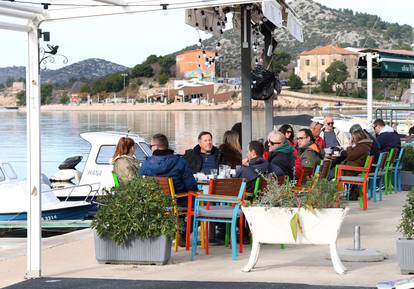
{"x": 387, "y": 137}
{"x": 205, "y": 156}
{"x": 281, "y": 153}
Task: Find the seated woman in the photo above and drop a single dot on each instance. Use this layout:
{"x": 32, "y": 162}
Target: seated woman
{"x": 287, "y": 130}
{"x": 125, "y": 165}
{"x": 356, "y": 155}
{"x": 231, "y": 149}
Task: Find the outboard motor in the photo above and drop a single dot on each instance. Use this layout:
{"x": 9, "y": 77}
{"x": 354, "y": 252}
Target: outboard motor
{"x": 67, "y": 175}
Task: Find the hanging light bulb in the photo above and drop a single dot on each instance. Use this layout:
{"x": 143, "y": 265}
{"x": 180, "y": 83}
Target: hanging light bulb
{"x": 211, "y": 29}
{"x": 256, "y": 61}
{"x": 199, "y": 42}
{"x": 204, "y": 54}
{"x": 199, "y": 56}
{"x": 218, "y": 45}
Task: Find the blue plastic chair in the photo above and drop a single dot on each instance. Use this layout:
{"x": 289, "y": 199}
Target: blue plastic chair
{"x": 397, "y": 168}
{"x": 377, "y": 177}
{"x": 227, "y": 210}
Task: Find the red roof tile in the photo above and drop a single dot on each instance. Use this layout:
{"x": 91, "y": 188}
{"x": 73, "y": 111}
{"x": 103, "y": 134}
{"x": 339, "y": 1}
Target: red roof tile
{"x": 328, "y": 50}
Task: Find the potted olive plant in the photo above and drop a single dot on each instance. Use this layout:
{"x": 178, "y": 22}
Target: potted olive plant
{"x": 407, "y": 170}
{"x": 135, "y": 224}
{"x": 283, "y": 216}
{"x": 405, "y": 245}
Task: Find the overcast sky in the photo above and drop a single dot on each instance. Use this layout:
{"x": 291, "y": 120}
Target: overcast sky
{"x": 128, "y": 40}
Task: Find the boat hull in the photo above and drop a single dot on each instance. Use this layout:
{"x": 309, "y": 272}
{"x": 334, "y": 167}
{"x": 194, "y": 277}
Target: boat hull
{"x": 68, "y": 213}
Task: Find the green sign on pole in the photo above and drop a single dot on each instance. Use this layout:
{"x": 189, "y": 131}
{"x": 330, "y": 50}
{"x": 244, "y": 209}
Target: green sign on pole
{"x": 389, "y": 65}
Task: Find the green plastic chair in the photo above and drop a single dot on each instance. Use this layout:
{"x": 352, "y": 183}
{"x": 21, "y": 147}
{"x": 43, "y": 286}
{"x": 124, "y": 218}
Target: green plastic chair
{"x": 116, "y": 180}
{"x": 388, "y": 174}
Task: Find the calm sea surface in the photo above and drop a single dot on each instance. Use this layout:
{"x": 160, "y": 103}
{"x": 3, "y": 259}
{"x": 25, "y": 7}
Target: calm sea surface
{"x": 60, "y": 131}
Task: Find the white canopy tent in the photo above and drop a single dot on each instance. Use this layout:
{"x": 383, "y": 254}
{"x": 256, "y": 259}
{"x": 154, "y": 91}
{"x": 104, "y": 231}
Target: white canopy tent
{"x": 27, "y": 16}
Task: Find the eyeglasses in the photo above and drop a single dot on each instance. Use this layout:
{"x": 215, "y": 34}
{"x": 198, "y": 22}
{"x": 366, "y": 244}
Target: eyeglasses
{"x": 301, "y": 138}
{"x": 288, "y": 131}
{"x": 273, "y": 143}
{"x": 330, "y": 123}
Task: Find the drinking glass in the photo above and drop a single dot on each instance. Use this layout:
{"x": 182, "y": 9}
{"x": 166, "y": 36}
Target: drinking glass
{"x": 213, "y": 172}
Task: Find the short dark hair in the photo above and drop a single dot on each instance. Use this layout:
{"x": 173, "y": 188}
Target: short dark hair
{"x": 308, "y": 133}
{"x": 257, "y": 147}
{"x": 161, "y": 140}
{"x": 379, "y": 122}
{"x": 201, "y": 134}
{"x": 411, "y": 130}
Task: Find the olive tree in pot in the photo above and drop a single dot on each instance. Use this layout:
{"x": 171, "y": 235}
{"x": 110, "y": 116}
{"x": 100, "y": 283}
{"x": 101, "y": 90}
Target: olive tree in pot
{"x": 405, "y": 245}
{"x": 407, "y": 170}
{"x": 134, "y": 224}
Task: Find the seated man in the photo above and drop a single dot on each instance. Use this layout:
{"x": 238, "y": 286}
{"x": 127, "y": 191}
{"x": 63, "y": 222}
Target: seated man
{"x": 387, "y": 137}
{"x": 333, "y": 137}
{"x": 203, "y": 157}
{"x": 310, "y": 153}
{"x": 164, "y": 163}
{"x": 253, "y": 165}
{"x": 281, "y": 153}
{"x": 316, "y": 128}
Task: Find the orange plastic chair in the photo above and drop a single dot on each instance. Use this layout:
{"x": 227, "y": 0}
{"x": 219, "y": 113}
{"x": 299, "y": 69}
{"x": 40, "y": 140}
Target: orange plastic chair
{"x": 167, "y": 185}
{"x": 360, "y": 180}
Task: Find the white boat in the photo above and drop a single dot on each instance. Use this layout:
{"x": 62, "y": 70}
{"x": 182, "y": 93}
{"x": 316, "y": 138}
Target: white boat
{"x": 97, "y": 171}
{"x": 14, "y": 200}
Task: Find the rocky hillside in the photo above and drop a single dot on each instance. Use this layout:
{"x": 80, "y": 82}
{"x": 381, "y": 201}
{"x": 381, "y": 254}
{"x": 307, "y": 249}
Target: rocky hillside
{"x": 87, "y": 69}
{"x": 322, "y": 26}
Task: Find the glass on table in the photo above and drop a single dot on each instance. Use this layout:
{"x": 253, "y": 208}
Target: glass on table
{"x": 213, "y": 173}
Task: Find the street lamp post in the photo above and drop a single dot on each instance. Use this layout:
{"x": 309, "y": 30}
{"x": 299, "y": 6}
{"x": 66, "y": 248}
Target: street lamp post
{"x": 125, "y": 75}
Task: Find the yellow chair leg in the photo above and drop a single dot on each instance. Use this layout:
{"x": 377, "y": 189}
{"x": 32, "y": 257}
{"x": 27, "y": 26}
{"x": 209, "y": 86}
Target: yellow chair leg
{"x": 202, "y": 234}
{"x": 177, "y": 238}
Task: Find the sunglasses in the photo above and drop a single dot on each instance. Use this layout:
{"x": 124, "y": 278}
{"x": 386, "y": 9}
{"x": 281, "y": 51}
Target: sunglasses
{"x": 288, "y": 131}
{"x": 330, "y": 123}
{"x": 301, "y": 138}
{"x": 273, "y": 143}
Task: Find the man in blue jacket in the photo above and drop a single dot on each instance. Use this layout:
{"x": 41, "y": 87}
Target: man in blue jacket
{"x": 387, "y": 137}
{"x": 164, "y": 163}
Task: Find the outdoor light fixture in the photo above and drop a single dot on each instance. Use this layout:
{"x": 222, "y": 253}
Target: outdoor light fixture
{"x": 44, "y": 35}
{"x": 45, "y": 5}
{"x": 164, "y": 6}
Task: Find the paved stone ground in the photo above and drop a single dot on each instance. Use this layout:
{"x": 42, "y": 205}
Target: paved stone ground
{"x": 70, "y": 283}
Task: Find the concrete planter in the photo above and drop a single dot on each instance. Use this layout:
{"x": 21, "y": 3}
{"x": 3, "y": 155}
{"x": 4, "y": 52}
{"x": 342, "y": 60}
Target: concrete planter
{"x": 153, "y": 251}
{"x": 405, "y": 255}
{"x": 272, "y": 226}
{"x": 407, "y": 180}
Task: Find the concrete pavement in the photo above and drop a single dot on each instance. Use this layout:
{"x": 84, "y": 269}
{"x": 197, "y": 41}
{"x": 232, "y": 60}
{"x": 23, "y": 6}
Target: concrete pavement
{"x": 72, "y": 256}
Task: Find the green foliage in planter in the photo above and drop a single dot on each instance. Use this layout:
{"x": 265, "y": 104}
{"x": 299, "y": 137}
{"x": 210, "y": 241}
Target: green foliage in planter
{"x": 138, "y": 208}
{"x": 406, "y": 226}
{"x": 323, "y": 195}
{"x": 408, "y": 159}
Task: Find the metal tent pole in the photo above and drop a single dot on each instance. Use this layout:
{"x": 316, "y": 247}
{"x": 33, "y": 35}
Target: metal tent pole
{"x": 369, "y": 87}
{"x": 246, "y": 78}
{"x": 33, "y": 156}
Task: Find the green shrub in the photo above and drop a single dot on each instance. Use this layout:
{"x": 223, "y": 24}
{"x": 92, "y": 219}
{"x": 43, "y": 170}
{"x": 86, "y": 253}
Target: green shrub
{"x": 408, "y": 159}
{"x": 64, "y": 99}
{"x": 295, "y": 82}
{"x": 163, "y": 78}
{"x": 324, "y": 195}
{"x": 406, "y": 226}
{"x": 138, "y": 208}
{"x": 325, "y": 86}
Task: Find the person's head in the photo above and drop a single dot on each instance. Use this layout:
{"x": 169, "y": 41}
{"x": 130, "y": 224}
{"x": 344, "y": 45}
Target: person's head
{"x": 304, "y": 137}
{"x": 287, "y": 130}
{"x": 125, "y": 146}
{"x": 159, "y": 142}
{"x": 275, "y": 139}
{"x": 411, "y": 131}
{"x": 354, "y": 128}
{"x": 358, "y": 135}
{"x": 378, "y": 125}
{"x": 256, "y": 149}
{"x": 315, "y": 128}
{"x": 231, "y": 138}
{"x": 328, "y": 123}
{"x": 237, "y": 127}
{"x": 205, "y": 141}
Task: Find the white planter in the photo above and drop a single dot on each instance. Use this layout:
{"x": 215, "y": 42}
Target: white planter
{"x": 405, "y": 255}
{"x": 272, "y": 226}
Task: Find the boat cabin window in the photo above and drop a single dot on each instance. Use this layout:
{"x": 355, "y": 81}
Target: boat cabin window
{"x": 107, "y": 151}
{"x": 2, "y": 177}
{"x": 10, "y": 173}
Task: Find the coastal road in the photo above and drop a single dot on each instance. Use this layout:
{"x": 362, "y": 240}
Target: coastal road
{"x": 81, "y": 283}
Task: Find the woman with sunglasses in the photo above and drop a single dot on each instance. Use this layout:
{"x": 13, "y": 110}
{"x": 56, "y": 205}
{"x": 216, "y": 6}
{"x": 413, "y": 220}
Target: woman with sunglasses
{"x": 287, "y": 130}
